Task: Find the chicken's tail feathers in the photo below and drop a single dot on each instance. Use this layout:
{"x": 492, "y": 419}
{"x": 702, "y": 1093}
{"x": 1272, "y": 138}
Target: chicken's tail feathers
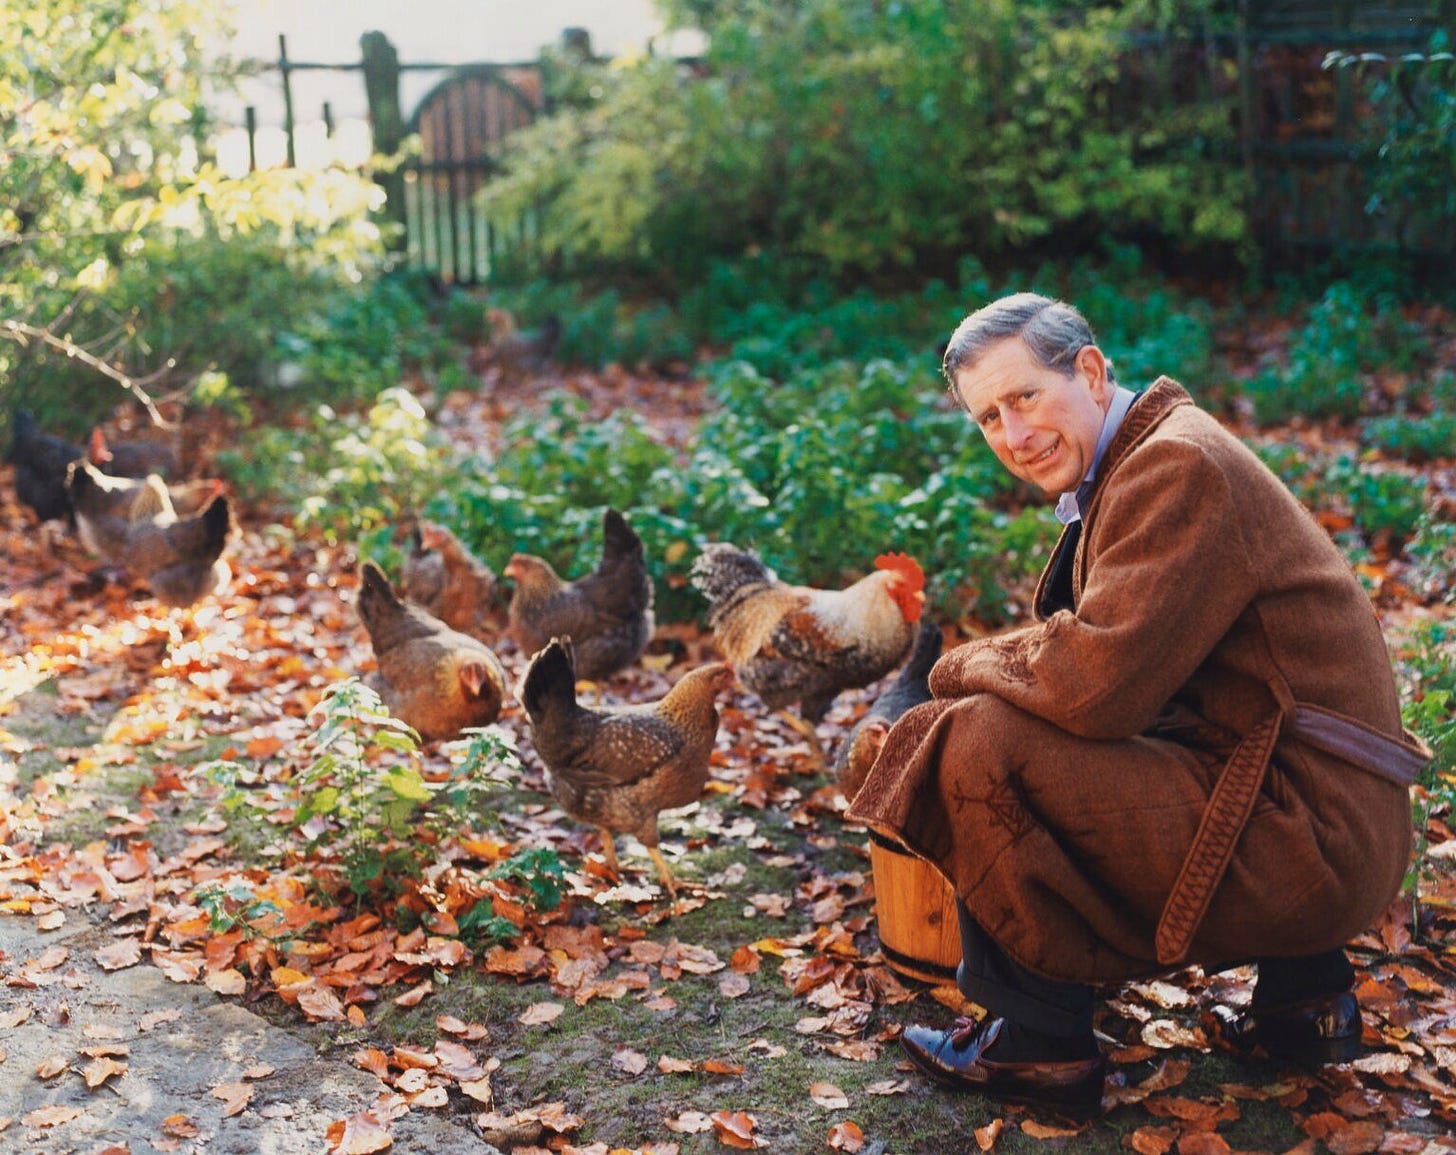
{"x": 619, "y": 540}
{"x": 550, "y": 679}
{"x": 22, "y": 423}
{"x": 376, "y": 595}
{"x": 929, "y": 642}
{"x": 217, "y": 525}
{"x": 721, "y": 568}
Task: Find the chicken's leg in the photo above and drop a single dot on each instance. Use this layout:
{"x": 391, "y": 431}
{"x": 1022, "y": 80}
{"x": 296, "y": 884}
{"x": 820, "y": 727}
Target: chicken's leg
{"x": 610, "y": 852}
{"x": 662, "y": 872}
{"x": 810, "y": 735}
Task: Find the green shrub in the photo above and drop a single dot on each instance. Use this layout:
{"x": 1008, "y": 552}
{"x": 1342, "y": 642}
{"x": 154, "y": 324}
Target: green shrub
{"x": 1415, "y": 438}
{"x": 358, "y": 799}
{"x": 1345, "y": 338}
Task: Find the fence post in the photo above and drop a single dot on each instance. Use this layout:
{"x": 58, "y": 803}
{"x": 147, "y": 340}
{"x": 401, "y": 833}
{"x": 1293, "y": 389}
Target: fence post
{"x": 250, "y": 120}
{"x": 283, "y": 70}
{"x": 386, "y": 124}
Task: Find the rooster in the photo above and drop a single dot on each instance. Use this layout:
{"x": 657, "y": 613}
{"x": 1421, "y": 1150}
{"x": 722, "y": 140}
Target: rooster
{"x": 617, "y": 766}
{"x": 430, "y": 676}
{"x": 911, "y": 686}
{"x": 799, "y": 644}
{"x": 41, "y": 461}
{"x": 441, "y": 575}
{"x": 607, "y": 613}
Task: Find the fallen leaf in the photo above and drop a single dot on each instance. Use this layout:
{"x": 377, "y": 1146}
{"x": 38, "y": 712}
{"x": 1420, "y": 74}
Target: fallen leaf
{"x": 1038, "y": 1130}
{"x": 235, "y": 1097}
{"x": 845, "y": 1136}
{"x": 1152, "y": 1140}
{"x": 986, "y": 1136}
{"x": 50, "y": 1116}
{"x": 628, "y": 1061}
{"x": 538, "y": 1014}
{"x": 52, "y": 1067}
{"x": 689, "y": 1123}
{"x": 179, "y": 1127}
{"x": 888, "y": 1087}
{"x": 226, "y": 982}
{"x": 118, "y": 955}
{"x": 1203, "y": 1143}
{"x": 97, "y": 1071}
{"x": 829, "y": 1096}
{"x": 360, "y": 1134}
{"x": 671, "y": 1066}
{"x": 735, "y": 1129}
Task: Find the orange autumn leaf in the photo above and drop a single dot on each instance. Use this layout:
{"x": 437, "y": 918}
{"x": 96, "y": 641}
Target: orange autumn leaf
{"x": 1205, "y": 1143}
{"x": 1152, "y": 1140}
{"x": 1039, "y": 1130}
{"x": 264, "y": 747}
{"x": 360, "y": 1134}
{"x": 735, "y": 1129}
{"x": 986, "y": 1136}
{"x": 179, "y": 1127}
{"x": 845, "y": 1136}
{"x": 52, "y": 1067}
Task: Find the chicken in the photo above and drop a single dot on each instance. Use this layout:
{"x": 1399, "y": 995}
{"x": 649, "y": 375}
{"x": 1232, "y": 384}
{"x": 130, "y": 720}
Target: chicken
{"x": 616, "y": 767}
{"x": 40, "y": 461}
{"x": 441, "y": 575}
{"x": 135, "y": 458}
{"x": 525, "y": 349}
{"x": 436, "y": 679}
{"x": 800, "y": 644}
{"x": 607, "y": 613}
{"x": 911, "y": 686}
{"x": 135, "y": 526}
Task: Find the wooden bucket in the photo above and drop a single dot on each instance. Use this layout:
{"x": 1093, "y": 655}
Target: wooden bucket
{"x": 919, "y": 933}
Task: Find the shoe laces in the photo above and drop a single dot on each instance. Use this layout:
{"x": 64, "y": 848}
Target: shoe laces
{"x": 964, "y": 1031}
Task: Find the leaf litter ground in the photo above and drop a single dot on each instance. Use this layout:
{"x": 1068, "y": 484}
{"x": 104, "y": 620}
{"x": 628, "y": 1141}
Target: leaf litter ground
{"x": 755, "y": 1012}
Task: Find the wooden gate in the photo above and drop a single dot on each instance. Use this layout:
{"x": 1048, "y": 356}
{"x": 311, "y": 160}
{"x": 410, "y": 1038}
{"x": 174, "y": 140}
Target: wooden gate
{"x": 1307, "y": 128}
{"x": 461, "y": 124}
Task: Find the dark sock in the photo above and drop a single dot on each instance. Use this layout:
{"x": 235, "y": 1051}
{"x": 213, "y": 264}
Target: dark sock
{"x": 1292, "y": 980}
{"x": 1018, "y": 1044}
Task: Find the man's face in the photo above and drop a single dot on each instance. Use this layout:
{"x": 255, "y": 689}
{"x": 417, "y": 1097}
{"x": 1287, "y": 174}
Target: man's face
{"x": 1043, "y": 426}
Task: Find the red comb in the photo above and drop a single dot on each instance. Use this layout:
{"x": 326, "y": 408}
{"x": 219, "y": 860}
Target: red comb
{"x": 906, "y": 566}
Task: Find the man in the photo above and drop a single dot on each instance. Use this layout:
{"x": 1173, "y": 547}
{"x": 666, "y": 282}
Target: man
{"x": 1194, "y": 756}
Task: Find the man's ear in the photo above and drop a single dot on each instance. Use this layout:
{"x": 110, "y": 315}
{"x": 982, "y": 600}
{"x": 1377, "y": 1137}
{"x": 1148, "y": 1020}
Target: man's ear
{"x": 1092, "y": 368}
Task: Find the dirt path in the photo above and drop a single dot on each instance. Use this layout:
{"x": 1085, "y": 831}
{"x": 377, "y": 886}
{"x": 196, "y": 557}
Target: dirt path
{"x": 177, "y": 1045}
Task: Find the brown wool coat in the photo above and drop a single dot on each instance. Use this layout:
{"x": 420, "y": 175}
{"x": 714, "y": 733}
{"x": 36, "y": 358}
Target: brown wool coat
{"x": 1062, "y": 772}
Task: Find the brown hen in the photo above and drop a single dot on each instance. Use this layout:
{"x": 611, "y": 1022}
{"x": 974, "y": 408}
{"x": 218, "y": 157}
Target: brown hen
{"x": 134, "y": 525}
{"x": 617, "y": 766}
{"x": 607, "y": 613}
{"x": 436, "y": 679}
{"x": 449, "y": 581}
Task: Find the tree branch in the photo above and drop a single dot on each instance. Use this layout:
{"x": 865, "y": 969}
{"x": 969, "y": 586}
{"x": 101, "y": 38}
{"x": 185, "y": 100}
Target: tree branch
{"x": 21, "y": 332}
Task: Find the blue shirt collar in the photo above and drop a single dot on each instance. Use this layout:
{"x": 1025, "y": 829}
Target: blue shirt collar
{"x": 1069, "y": 505}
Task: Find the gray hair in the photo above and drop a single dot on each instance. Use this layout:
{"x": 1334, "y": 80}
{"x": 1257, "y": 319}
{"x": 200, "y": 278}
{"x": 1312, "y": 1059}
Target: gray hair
{"x": 1054, "y": 332}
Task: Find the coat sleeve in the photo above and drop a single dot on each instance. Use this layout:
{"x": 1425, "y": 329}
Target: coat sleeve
{"x": 1168, "y": 575}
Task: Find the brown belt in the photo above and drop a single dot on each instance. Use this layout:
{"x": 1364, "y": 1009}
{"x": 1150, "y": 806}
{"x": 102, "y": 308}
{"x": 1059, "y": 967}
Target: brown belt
{"x": 1232, "y": 801}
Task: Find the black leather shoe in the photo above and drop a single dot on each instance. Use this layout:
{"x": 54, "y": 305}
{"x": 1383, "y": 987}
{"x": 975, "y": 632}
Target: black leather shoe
{"x": 958, "y": 1058}
{"x": 1310, "y": 1033}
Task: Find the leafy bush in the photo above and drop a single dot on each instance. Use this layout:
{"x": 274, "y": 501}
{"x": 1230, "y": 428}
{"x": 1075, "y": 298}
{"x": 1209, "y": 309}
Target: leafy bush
{"x": 357, "y": 476}
{"x": 863, "y": 137}
{"x": 358, "y": 798}
{"x": 1415, "y": 438}
{"x": 1345, "y": 338}
{"x": 1414, "y": 115}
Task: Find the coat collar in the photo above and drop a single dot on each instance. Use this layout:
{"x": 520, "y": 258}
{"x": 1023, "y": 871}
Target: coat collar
{"x": 1147, "y": 413}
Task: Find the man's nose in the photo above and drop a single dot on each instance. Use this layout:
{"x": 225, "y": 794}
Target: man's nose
{"x": 1016, "y": 430}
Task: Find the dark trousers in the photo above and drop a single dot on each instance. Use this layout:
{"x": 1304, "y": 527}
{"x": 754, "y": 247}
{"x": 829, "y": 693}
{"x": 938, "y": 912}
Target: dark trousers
{"x": 1064, "y": 1010}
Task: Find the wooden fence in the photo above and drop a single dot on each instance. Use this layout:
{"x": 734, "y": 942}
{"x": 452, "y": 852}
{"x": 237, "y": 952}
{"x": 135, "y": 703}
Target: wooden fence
{"x": 1303, "y": 140}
